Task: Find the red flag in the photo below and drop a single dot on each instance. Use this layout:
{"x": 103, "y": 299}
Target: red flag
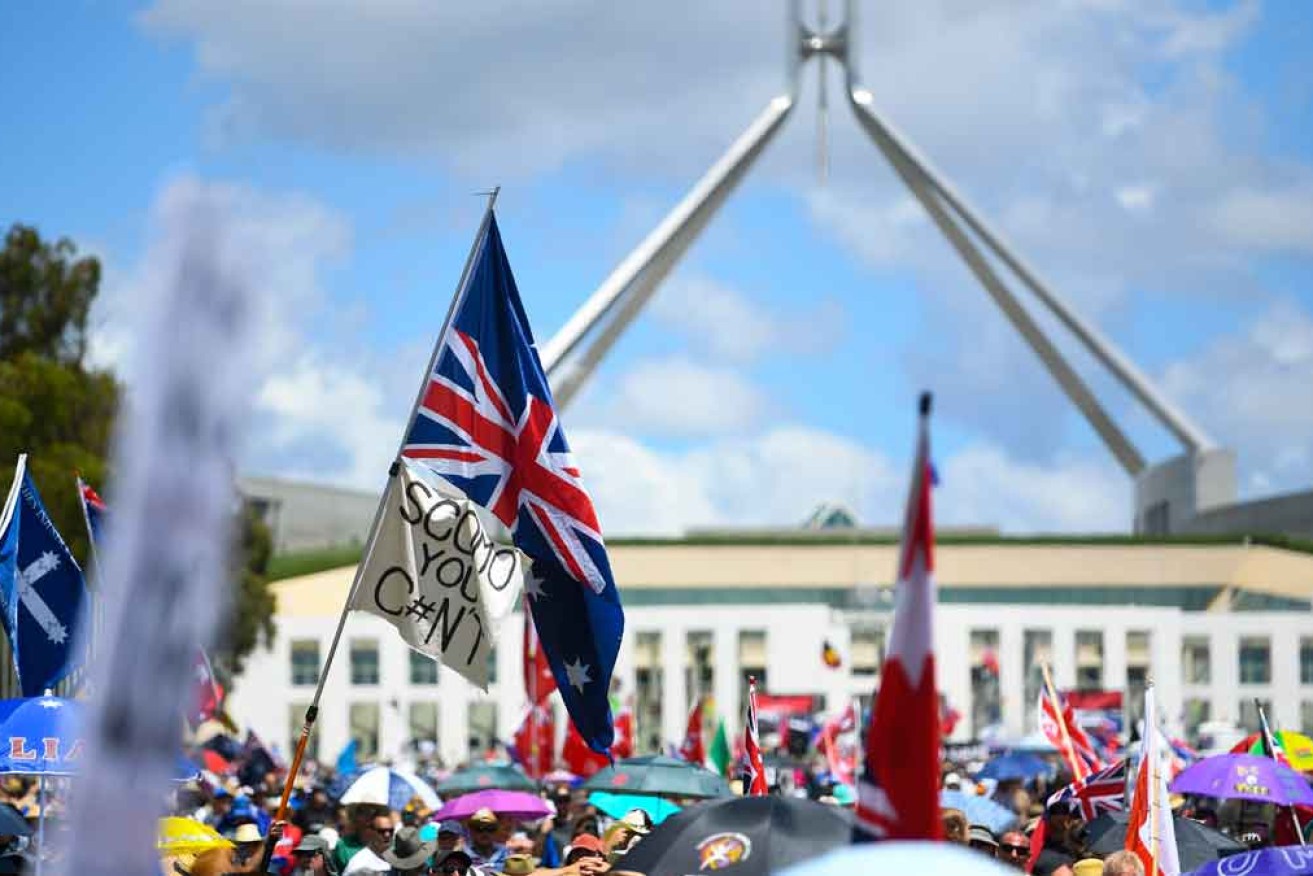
{"x": 898, "y": 794}
{"x": 578, "y": 757}
{"x": 840, "y": 757}
{"x": 752, "y": 747}
{"x": 535, "y": 742}
{"x": 1150, "y": 831}
{"x": 692, "y": 749}
{"x": 538, "y": 679}
{"x": 624, "y": 733}
{"x": 207, "y": 693}
{"x": 1068, "y": 737}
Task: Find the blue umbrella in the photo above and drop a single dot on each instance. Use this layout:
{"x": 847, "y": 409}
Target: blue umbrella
{"x": 618, "y": 805}
{"x": 1016, "y": 765}
{"x": 979, "y": 810}
{"x": 40, "y": 737}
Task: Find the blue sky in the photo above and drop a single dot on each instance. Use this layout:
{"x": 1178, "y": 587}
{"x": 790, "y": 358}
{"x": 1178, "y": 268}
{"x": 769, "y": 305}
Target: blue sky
{"x": 1153, "y": 157}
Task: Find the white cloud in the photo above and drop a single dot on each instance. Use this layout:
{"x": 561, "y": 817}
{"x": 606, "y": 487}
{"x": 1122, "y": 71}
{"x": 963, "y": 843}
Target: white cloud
{"x": 778, "y": 477}
{"x": 676, "y": 396}
{"x": 1255, "y": 389}
{"x": 720, "y": 318}
{"x": 1135, "y": 198}
{"x": 1266, "y": 220}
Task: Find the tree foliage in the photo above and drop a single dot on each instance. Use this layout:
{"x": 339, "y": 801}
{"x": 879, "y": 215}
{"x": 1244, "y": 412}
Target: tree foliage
{"x": 61, "y": 413}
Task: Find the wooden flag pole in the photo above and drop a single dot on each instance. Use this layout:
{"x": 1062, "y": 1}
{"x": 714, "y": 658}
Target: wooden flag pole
{"x": 312, "y": 711}
{"x": 1052, "y": 694}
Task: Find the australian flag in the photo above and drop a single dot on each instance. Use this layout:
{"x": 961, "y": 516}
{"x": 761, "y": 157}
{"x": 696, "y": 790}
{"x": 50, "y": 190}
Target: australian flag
{"x": 93, "y": 511}
{"x": 487, "y": 424}
{"x": 41, "y": 589}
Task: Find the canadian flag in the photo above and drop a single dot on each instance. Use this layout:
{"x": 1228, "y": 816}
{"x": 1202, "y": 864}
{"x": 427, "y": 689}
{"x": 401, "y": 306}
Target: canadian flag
{"x": 692, "y": 748}
{"x": 898, "y": 793}
{"x": 752, "y": 747}
{"x": 1150, "y": 833}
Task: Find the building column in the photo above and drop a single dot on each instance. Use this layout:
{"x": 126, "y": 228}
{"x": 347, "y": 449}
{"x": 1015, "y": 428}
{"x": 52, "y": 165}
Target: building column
{"x": 1224, "y": 651}
{"x": 1285, "y": 694}
{"x": 1064, "y": 656}
{"x": 1012, "y": 679}
{"x": 673, "y": 714}
{"x": 1114, "y": 657}
{"x": 725, "y": 659}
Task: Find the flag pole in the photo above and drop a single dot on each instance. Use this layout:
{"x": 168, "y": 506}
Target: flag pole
{"x": 1052, "y": 694}
{"x": 312, "y": 711}
{"x": 1149, "y": 748}
{"x": 1270, "y": 743}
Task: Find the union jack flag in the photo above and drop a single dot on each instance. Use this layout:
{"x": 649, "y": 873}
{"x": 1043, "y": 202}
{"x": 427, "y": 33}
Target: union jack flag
{"x": 487, "y": 425}
{"x": 752, "y": 748}
{"x": 1104, "y": 791}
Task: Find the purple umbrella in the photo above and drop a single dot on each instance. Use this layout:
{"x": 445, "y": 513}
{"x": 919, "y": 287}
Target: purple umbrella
{"x": 1279, "y": 861}
{"x": 1244, "y": 777}
{"x": 515, "y": 804}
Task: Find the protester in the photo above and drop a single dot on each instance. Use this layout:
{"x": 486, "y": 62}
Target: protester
{"x": 456, "y": 862}
{"x": 312, "y": 857}
{"x": 248, "y": 843}
{"x": 409, "y": 853}
{"x": 377, "y": 837}
{"x": 982, "y": 840}
{"x": 1123, "y": 863}
{"x": 1013, "y": 849}
{"x": 451, "y": 835}
{"x": 484, "y": 849}
{"x": 1087, "y": 867}
{"x": 955, "y": 825}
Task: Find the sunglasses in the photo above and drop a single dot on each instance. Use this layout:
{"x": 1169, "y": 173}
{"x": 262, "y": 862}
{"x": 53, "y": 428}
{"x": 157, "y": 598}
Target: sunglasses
{"x": 483, "y": 828}
{"x": 1014, "y": 850}
{"x": 382, "y": 831}
{"x": 453, "y": 867}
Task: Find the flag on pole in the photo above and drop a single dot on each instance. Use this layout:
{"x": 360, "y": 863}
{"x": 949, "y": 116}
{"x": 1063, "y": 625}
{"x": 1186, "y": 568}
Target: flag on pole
{"x": 578, "y": 757}
{"x": 487, "y": 424}
{"x": 534, "y": 742}
{"x": 840, "y": 757}
{"x": 1150, "y": 832}
{"x": 898, "y": 792}
{"x": 437, "y": 573}
{"x": 1104, "y": 791}
{"x": 1061, "y": 729}
{"x": 719, "y": 753}
{"x": 1287, "y": 829}
{"x": 752, "y": 747}
{"x": 692, "y": 748}
{"x": 41, "y": 589}
{"x": 93, "y": 511}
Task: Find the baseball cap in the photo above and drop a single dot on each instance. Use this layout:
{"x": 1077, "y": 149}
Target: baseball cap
{"x": 980, "y": 834}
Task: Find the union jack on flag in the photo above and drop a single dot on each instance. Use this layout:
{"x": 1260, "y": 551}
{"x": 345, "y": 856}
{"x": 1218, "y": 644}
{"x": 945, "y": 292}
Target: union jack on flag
{"x": 1104, "y": 791}
{"x": 486, "y": 424}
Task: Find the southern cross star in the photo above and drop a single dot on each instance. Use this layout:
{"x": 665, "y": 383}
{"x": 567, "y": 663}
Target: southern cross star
{"x": 577, "y": 673}
{"x": 533, "y": 588}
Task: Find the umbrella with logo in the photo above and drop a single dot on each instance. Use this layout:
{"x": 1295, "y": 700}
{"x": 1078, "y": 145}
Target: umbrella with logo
{"x": 1244, "y": 777}
{"x": 1275, "y": 861}
{"x": 901, "y": 857}
{"x": 659, "y": 776}
{"x": 484, "y": 777}
{"x": 749, "y": 836}
{"x": 1196, "y": 844}
{"x": 391, "y": 787}
{"x": 1297, "y": 746}
{"x": 43, "y": 740}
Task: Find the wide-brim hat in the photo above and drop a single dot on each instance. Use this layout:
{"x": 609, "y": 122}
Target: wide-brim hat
{"x": 247, "y": 833}
{"x": 518, "y": 865}
{"x": 409, "y": 850}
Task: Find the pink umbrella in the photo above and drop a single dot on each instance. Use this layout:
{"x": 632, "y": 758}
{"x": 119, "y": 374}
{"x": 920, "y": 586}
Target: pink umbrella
{"x": 515, "y": 804}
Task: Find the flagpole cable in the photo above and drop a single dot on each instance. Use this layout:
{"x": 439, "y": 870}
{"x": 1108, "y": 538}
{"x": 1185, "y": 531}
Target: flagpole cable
{"x": 312, "y": 711}
{"x": 1052, "y": 692}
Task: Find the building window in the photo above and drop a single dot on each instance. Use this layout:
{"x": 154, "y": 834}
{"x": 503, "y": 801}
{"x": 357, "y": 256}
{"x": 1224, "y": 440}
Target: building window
{"x": 305, "y": 662}
{"x": 1037, "y": 652}
{"x": 866, "y": 651}
{"x": 482, "y": 725}
{"x": 363, "y": 718}
{"x": 1139, "y": 648}
{"x": 752, "y": 662}
{"x": 295, "y": 721}
{"x": 364, "y": 661}
{"x": 1197, "y": 713}
{"x": 1306, "y": 661}
{"x": 699, "y": 668}
{"x": 1306, "y": 717}
{"x": 1249, "y": 713}
{"x": 1089, "y": 660}
{"x": 986, "y": 705}
{"x": 423, "y": 725}
{"x": 1196, "y": 664}
{"x": 648, "y": 682}
{"x": 423, "y": 668}
{"x": 1255, "y": 660}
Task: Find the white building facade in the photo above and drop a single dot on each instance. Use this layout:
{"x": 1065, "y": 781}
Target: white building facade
{"x": 1216, "y": 628}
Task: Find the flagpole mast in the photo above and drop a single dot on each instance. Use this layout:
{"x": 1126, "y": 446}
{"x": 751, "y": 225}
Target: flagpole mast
{"x": 1052, "y": 694}
{"x": 1270, "y": 743}
{"x": 1149, "y": 749}
{"x": 312, "y": 711}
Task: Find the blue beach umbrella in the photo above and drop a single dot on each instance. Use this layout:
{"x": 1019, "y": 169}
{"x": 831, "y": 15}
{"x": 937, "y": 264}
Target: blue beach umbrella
{"x": 1016, "y": 765}
{"x": 41, "y": 737}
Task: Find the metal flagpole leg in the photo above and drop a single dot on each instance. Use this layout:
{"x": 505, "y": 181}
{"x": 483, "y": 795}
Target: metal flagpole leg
{"x": 40, "y": 822}
{"x": 312, "y": 711}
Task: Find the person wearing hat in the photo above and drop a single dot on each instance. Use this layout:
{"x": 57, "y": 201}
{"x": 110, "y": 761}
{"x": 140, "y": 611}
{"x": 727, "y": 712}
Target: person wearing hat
{"x": 410, "y": 853}
{"x": 457, "y": 862}
{"x": 1088, "y": 867}
{"x": 484, "y": 849}
{"x": 451, "y": 835}
{"x": 311, "y": 857}
{"x": 518, "y": 865}
{"x": 980, "y": 839}
{"x": 247, "y": 841}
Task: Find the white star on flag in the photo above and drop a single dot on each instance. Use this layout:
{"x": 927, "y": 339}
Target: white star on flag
{"x": 577, "y": 673}
{"x": 533, "y": 587}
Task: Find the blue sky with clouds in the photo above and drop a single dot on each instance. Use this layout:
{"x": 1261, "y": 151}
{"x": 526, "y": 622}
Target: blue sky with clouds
{"x": 1153, "y": 157}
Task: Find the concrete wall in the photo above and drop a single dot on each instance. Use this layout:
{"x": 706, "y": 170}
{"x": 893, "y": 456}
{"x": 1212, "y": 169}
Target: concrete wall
{"x": 1291, "y": 514}
{"x": 304, "y": 516}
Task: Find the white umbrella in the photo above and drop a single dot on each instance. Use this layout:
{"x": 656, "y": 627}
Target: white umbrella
{"x": 918, "y": 857}
{"x": 391, "y": 787}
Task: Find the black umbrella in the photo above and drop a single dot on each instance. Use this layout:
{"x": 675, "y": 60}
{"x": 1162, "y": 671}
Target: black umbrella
{"x": 1196, "y": 844}
{"x": 758, "y": 835}
{"x": 658, "y": 775}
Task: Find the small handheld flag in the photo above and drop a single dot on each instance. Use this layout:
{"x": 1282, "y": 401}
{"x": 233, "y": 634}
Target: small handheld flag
{"x": 752, "y": 747}
{"x": 692, "y": 748}
{"x": 41, "y": 589}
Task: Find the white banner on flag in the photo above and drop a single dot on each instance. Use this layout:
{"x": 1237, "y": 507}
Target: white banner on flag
{"x": 440, "y": 573}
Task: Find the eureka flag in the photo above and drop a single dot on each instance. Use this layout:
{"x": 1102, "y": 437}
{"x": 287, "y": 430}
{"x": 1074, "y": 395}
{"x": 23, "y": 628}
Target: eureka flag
{"x": 487, "y": 424}
{"x": 41, "y": 589}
